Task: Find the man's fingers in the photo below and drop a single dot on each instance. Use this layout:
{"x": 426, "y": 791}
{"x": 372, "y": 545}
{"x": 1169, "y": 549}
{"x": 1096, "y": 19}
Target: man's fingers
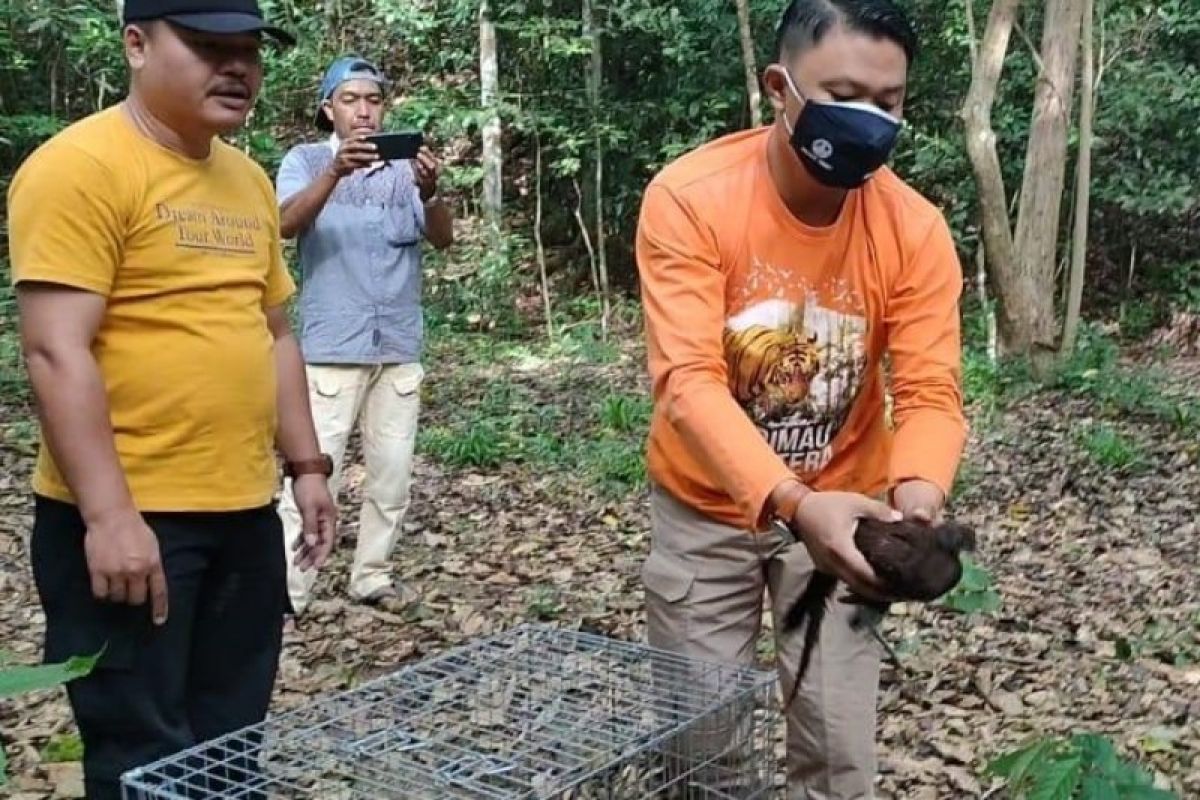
{"x": 859, "y": 576}
{"x": 427, "y": 164}
{"x": 117, "y": 589}
{"x": 311, "y": 535}
{"x": 158, "y": 596}
{"x": 99, "y": 586}
{"x": 137, "y": 591}
{"x": 304, "y": 558}
{"x": 873, "y": 509}
{"x": 325, "y": 546}
{"x": 308, "y": 524}
{"x": 922, "y": 514}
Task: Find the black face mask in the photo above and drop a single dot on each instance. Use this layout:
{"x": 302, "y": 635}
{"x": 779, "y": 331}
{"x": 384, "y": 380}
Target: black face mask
{"x": 842, "y": 144}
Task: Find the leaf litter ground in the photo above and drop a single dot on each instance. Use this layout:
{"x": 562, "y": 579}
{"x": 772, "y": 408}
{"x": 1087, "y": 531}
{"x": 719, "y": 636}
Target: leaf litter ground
{"x": 1099, "y": 627}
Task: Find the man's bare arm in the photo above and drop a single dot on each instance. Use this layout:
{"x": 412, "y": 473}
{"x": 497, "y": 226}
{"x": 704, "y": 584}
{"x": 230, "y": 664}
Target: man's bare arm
{"x": 300, "y": 210}
{"x": 297, "y": 439}
{"x": 439, "y": 224}
{"x": 297, "y": 213}
{"x": 296, "y": 436}
{"x": 58, "y": 325}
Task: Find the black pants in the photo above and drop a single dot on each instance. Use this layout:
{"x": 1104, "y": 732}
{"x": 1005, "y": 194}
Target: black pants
{"x": 157, "y": 690}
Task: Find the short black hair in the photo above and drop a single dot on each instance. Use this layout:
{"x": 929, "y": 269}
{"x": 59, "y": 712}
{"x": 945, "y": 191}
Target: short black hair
{"x": 805, "y": 23}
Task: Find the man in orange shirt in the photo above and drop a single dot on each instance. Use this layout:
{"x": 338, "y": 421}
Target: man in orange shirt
{"x": 779, "y": 266}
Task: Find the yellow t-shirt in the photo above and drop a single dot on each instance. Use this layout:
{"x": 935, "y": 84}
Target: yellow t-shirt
{"x": 188, "y": 254}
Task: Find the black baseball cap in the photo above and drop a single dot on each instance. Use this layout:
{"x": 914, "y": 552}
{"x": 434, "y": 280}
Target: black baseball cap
{"x": 207, "y": 16}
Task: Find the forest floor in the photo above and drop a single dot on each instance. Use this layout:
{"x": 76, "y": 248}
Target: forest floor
{"x": 529, "y": 506}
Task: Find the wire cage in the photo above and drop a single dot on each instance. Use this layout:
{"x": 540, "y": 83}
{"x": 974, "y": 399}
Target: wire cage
{"x": 535, "y": 713}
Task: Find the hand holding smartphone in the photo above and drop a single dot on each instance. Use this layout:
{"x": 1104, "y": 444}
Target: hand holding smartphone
{"x": 401, "y": 146}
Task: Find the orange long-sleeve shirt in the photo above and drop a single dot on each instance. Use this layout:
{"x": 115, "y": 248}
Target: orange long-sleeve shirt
{"x": 766, "y": 336}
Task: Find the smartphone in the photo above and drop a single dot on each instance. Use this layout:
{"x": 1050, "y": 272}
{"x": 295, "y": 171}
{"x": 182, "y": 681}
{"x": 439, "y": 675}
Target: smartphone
{"x": 397, "y": 146}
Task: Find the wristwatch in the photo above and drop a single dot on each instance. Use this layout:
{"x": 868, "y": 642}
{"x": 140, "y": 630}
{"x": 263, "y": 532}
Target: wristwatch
{"x": 322, "y": 465}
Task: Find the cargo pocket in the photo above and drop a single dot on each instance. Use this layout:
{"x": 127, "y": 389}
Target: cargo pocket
{"x": 399, "y": 403}
{"x": 667, "y": 583}
{"x": 406, "y": 380}
{"x": 400, "y": 221}
{"x": 666, "y": 578}
{"x": 325, "y": 385}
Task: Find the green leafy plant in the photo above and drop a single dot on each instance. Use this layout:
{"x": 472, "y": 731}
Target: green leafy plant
{"x": 1110, "y": 449}
{"x": 544, "y": 603}
{"x": 482, "y": 445}
{"x": 975, "y": 592}
{"x": 20, "y": 435}
{"x": 63, "y": 748}
{"x": 967, "y": 478}
{"x": 20, "y": 679}
{"x": 625, "y": 414}
{"x": 617, "y": 465}
{"x": 1172, "y": 643}
{"x": 1083, "y": 767}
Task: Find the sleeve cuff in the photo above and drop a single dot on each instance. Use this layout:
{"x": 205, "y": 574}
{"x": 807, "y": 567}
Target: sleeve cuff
{"x": 928, "y": 446}
{"x": 759, "y": 488}
{"x": 74, "y": 280}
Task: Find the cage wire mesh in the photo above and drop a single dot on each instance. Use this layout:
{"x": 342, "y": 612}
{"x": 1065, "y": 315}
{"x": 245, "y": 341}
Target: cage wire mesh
{"x": 536, "y": 712}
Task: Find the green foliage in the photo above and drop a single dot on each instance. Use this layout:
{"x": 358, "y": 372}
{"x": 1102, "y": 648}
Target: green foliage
{"x": 1180, "y": 283}
{"x": 13, "y": 385}
{"x": 479, "y": 445}
{"x": 965, "y": 480}
{"x": 20, "y": 435}
{"x": 505, "y": 427}
{"x": 1083, "y": 767}
{"x": 544, "y": 603}
{"x": 1111, "y": 449}
{"x": 1174, "y": 643}
{"x": 975, "y": 592}
{"x": 988, "y": 383}
{"x": 1123, "y": 391}
{"x": 475, "y": 292}
{"x": 625, "y": 414}
{"x": 616, "y": 462}
{"x": 63, "y": 748}
{"x": 15, "y": 680}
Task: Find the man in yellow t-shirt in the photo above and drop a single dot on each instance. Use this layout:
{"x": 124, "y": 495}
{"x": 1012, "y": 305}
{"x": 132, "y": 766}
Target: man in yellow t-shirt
{"x": 152, "y": 290}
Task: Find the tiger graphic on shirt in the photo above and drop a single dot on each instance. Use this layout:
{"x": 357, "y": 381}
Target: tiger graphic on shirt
{"x": 796, "y": 368}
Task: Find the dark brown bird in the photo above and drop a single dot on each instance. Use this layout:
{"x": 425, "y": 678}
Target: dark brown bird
{"x": 914, "y": 562}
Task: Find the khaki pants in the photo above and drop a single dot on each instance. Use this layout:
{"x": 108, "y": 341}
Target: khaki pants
{"x": 704, "y": 584}
{"x": 385, "y": 400}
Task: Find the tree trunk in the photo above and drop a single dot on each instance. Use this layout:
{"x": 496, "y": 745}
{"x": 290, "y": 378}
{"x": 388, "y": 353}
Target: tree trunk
{"x": 543, "y": 275}
{"x": 595, "y": 77}
{"x": 1083, "y": 187}
{"x": 753, "y": 93}
{"x": 1036, "y": 241}
{"x": 981, "y": 149}
{"x": 489, "y": 73}
{"x": 587, "y": 235}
